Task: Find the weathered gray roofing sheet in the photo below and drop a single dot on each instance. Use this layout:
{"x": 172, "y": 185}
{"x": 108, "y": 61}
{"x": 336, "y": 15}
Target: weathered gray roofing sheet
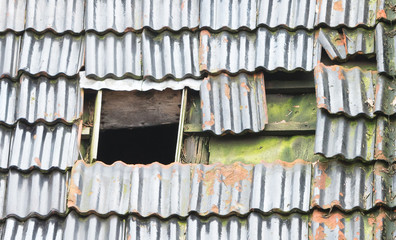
{"x": 354, "y": 91}
{"x": 233, "y": 103}
{"x": 35, "y": 99}
{"x": 385, "y": 43}
{"x": 113, "y": 56}
{"x": 341, "y": 46}
{"x": 346, "y": 186}
{"x": 350, "y": 13}
{"x": 286, "y": 13}
{"x": 33, "y": 194}
{"x": 247, "y": 51}
{"x": 170, "y": 54}
{"x": 129, "y": 84}
{"x": 5, "y": 145}
{"x": 120, "y": 15}
{"x": 181, "y": 189}
{"x": 230, "y": 15}
{"x": 44, "y": 147}
{"x": 12, "y": 15}
{"x": 385, "y": 10}
{"x": 9, "y": 54}
{"x": 51, "y": 55}
{"x": 57, "y": 16}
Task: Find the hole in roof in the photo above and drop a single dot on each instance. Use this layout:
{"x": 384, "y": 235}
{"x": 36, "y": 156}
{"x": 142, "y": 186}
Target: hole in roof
{"x": 139, "y": 127}
{"x": 366, "y": 61}
{"x": 139, "y": 145}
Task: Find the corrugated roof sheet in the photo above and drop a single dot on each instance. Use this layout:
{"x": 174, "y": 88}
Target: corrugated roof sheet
{"x": 44, "y": 147}
{"x": 34, "y": 99}
{"x": 231, "y": 15}
{"x": 385, "y": 49}
{"x": 71, "y": 227}
{"x": 385, "y": 10}
{"x": 169, "y": 54}
{"x": 51, "y": 55}
{"x": 247, "y": 51}
{"x": 286, "y": 13}
{"x": 348, "y": 43}
{"x": 180, "y": 189}
{"x": 354, "y": 91}
{"x": 9, "y": 53}
{"x": 233, "y": 103}
{"x": 5, "y": 145}
{"x": 120, "y": 16}
{"x": 129, "y": 84}
{"x": 350, "y": 13}
{"x": 344, "y": 186}
{"x": 33, "y": 194}
{"x": 112, "y": 56}
{"x": 58, "y": 16}
{"x": 355, "y": 138}
{"x": 12, "y": 15}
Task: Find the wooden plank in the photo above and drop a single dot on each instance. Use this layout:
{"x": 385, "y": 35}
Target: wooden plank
{"x": 133, "y": 109}
{"x": 96, "y": 126}
{"x": 286, "y": 113}
{"x": 195, "y": 150}
{"x": 180, "y": 131}
{"x": 256, "y": 149}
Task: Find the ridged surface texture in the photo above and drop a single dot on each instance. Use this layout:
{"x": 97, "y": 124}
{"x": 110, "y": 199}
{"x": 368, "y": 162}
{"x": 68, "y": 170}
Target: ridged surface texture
{"x": 120, "y": 15}
{"x": 233, "y": 103}
{"x": 247, "y": 51}
{"x": 12, "y": 15}
{"x": 350, "y": 42}
{"x": 354, "y": 91}
{"x": 385, "y": 10}
{"x": 228, "y": 14}
{"x": 9, "y": 54}
{"x": 44, "y": 147}
{"x": 51, "y": 55}
{"x": 5, "y": 145}
{"x": 55, "y": 15}
{"x": 344, "y": 186}
{"x": 385, "y": 43}
{"x": 181, "y": 189}
{"x": 286, "y": 13}
{"x": 113, "y": 56}
{"x": 368, "y": 140}
{"x": 42, "y": 193}
{"x": 350, "y": 13}
{"x": 34, "y": 99}
{"x": 168, "y": 54}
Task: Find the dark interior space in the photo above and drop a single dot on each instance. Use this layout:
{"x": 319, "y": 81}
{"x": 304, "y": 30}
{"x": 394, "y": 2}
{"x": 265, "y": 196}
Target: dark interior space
{"x": 139, "y": 145}
{"x": 360, "y": 60}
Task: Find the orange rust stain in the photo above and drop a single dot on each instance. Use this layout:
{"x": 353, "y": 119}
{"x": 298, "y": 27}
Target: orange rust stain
{"x": 340, "y": 74}
{"x": 357, "y": 218}
{"x": 215, "y": 208}
{"x": 285, "y": 164}
{"x": 37, "y": 161}
{"x": 331, "y": 221}
{"x": 202, "y": 104}
{"x": 211, "y": 122}
{"x": 319, "y": 235}
{"x": 341, "y": 109}
{"x": 243, "y": 84}
{"x": 35, "y": 136}
{"x": 320, "y": 181}
{"x": 338, "y": 6}
{"x": 225, "y": 40}
{"x": 208, "y": 86}
{"x": 227, "y": 91}
{"x": 159, "y": 176}
{"x": 73, "y": 192}
{"x": 129, "y": 237}
{"x": 229, "y": 175}
{"x": 381, "y": 14}
{"x": 205, "y": 32}
{"x": 182, "y": 5}
{"x": 341, "y": 194}
{"x": 245, "y": 94}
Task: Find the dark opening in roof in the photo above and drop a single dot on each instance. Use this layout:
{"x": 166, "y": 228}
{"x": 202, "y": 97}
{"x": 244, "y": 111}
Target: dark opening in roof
{"x": 139, "y": 145}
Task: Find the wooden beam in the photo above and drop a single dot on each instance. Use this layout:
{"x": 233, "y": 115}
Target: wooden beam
{"x": 180, "y": 131}
{"x": 133, "y": 109}
{"x": 96, "y": 127}
{"x": 196, "y": 149}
